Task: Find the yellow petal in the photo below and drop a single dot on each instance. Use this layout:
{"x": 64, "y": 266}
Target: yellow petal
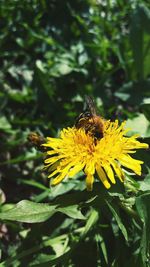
{"x": 90, "y": 167}
{"x": 130, "y": 163}
{"x": 118, "y": 171}
{"x": 89, "y": 182}
{"x": 51, "y": 152}
{"x": 109, "y": 173}
{"x": 75, "y": 150}
{"x": 51, "y": 160}
{"x": 58, "y": 179}
{"x": 75, "y": 170}
{"x": 103, "y": 177}
{"x": 61, "y": 176}
{"x": 53, "y": 173}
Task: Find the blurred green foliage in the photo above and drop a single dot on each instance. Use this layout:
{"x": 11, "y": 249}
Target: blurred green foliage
{"x": 52, "y": 54}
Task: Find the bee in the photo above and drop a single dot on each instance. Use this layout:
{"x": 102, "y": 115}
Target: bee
{"x": 36, "y": 140}
{"x": 90, "y": 121}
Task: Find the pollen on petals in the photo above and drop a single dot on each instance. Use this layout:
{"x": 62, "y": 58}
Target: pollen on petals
{"x": 75, "y": 151}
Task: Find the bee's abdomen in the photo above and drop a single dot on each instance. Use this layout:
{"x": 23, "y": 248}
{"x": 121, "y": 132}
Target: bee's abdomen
{"x": 91, "y": 125}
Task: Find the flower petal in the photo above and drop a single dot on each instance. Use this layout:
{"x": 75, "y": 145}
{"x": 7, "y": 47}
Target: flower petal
{"x": 89, "y": 182}
{"x": 58, "y": 179}
{"x": 75, "y": 170}
{"x": 109, "y": 173}
{"x": 118, "y": 171}
{"x": 53, "y": 173}
{"x": 133, "y": 164}
{"x": 76, "y": 150}
{"x": 103, "y": 177}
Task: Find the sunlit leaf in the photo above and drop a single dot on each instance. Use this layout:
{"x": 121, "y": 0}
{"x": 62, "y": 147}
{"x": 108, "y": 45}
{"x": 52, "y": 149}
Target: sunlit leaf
{"x": 139, "y": 125}
{"x": 29, "y": 212}
{"x": 72, "y": 211}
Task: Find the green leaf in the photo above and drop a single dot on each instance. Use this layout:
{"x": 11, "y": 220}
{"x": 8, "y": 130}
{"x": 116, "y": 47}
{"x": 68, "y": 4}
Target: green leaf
{"x": 115, "y": 211}
{"x": 101, "y": 243}
{"x": 139, "y": 125}
{"x": 29, "y": 212}
{"x": 34, "y": 249}
{"x": 26, "y": 157}
{"x": 146, "y": 110}
{"x": 141, "y": 49}
{"x": 145, "y": 185}
{"x": 93, "y": 218}
{"x": 72, "y": 211}
{"x": 122, "y": 96}
{"x": 5, "y": 125}
{"x": 42, "y": 79}
{"x": 34, "y": 184}
{"x": 41, "y": 196}
{"x": 136, "y": 33}
{"x": 143, "y": 209}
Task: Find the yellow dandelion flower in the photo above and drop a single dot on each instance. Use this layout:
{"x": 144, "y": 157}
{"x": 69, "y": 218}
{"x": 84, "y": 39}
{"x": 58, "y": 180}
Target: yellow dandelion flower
{"x": 76, "y": 150}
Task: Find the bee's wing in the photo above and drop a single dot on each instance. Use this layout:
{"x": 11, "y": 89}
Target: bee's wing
{"x": 89, "y": 105}
{"x": 88, "y": 112}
